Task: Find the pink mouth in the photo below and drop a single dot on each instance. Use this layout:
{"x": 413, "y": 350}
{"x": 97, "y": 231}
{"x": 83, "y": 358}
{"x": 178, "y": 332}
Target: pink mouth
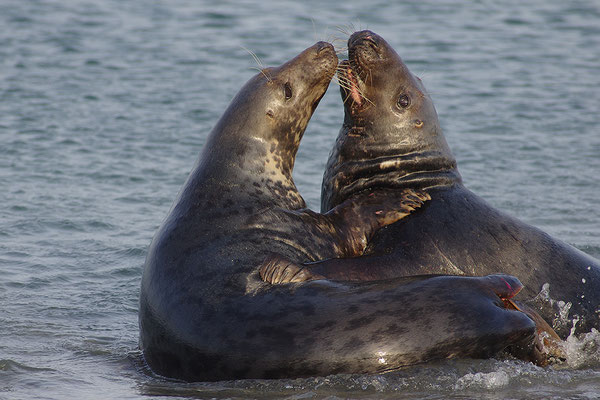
{"x": 353, "y": 86}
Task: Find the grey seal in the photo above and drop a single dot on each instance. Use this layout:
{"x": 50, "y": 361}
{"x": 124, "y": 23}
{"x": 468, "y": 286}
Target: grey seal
{"x": 206, "y": 314}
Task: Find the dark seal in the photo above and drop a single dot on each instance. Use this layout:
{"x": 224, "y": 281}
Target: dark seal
{"x": 205, "y": 313}
{"x": 391, "y": 139}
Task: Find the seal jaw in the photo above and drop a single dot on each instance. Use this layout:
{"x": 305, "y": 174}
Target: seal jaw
{"x": 352, "y": 88}
{"x": 365, "y": 50}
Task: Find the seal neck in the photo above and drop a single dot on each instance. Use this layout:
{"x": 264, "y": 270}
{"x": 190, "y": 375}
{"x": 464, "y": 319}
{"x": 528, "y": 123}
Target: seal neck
{"x": 245, "y": 168}
{"x": 397, "y": 166}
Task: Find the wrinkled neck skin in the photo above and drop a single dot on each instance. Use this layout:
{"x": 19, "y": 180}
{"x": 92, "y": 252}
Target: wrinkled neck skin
{"x": 354, "y": 167}
{"x": 380, "y": 144}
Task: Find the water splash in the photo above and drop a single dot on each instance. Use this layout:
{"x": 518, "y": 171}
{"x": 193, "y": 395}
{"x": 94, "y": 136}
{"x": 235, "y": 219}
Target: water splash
{"x": 559, "y": 308}
{"x": 583, "y": 349}
{"x": 489, "y": 380}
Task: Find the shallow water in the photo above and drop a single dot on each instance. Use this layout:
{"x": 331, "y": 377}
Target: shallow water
{"x": 105, "y": 106}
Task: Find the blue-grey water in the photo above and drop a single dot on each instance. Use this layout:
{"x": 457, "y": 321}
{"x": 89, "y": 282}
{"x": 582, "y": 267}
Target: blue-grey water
{"x": 104, "y": 106}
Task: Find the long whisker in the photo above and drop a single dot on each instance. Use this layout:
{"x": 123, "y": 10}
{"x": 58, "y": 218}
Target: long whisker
{"x": 367, "y": 99}
{"x": 343, "y": 80}
{"x": 256, "y": 58}
{"x": 314, "y": 29}
{"x": 258, "y": 61}
{"x": 345, "y": 29}
{"x": 332, "y": 38}
{"x": 262, "y": 71}
{"x": 346, "y": 84}
{"x": 342, "y": 84}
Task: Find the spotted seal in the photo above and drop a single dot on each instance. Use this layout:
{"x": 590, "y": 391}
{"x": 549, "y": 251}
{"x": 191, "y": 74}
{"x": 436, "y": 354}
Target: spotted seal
{"x": 205, "y": 313}
{"x": 391, "y": 139}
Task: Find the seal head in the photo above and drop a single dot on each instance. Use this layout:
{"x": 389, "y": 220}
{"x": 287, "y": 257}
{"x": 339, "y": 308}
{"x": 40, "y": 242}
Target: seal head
{"x": 390, "y": 127}
{"x": 265, "y": 122}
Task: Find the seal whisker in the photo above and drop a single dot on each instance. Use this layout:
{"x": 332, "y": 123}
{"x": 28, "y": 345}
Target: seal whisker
{"x": 340, "y": 77}
{"x": 256, "y": 58}
{"x": 347, "y": 97}
{"x": 314, "y": 29}
{"x": 262, "y": 71}
{"x": 342, "y": 72}
{"x": 367, "y": 99}
{"x": 343, "y": 84}
{"x": 347, "y": 85}
{"x": 259, "y": 62}
{"x": 345, "y": 29}
{"x": 346, "y": 88}
{"x": 335, "y": 39}
{"x": 343, "y": 80}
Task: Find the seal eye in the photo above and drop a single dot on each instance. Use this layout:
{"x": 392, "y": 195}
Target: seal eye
{"x": 403, "y": 101}
{"x": 287, "y": 89}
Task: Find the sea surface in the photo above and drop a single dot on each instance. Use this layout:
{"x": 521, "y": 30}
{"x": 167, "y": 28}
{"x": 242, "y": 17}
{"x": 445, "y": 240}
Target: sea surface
{"x": 105, "y": 105}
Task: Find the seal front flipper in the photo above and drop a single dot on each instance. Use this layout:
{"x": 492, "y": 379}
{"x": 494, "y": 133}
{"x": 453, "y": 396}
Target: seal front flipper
{"x": 353, "y": 223}
{"x": 358, "y": 218}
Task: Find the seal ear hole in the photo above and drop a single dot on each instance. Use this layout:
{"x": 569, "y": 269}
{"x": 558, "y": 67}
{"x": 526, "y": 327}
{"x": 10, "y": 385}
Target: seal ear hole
{"x": 270, "y": 114}
{"x": 403, "y": 101}
{"x": 287, "y": 90}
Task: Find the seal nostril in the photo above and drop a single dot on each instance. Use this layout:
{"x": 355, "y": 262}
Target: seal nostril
{"x": 366, "y": 35}
{"x": 321, "y": 46}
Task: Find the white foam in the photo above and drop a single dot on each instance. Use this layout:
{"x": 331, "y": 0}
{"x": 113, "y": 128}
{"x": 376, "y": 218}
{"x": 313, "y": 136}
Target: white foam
{"x": 490, "y": 380}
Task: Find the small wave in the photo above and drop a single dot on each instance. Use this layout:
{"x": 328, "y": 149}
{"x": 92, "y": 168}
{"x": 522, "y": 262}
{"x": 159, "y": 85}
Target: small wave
{"x": 7, "y": 365}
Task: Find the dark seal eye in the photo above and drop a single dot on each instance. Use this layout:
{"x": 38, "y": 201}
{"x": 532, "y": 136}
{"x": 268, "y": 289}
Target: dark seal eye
{"x": 403, "y": 101}
{"x": 287, "y": 89}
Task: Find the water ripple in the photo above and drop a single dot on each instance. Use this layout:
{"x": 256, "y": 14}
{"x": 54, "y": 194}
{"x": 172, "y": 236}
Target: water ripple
{"x": 106, "y": 105}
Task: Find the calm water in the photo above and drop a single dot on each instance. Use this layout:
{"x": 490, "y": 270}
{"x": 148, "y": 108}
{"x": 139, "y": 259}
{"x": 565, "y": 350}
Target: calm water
{"x": 104, "y": 106}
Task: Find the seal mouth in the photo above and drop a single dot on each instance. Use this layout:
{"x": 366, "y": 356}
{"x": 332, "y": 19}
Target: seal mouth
{"x": 353, "y": 73}
{"x": 325, "y": 52}
{"x": 352, "y": 86}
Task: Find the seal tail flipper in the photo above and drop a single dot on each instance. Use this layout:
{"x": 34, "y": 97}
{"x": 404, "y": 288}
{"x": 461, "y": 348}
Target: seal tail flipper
{"x": 547, "y": 346}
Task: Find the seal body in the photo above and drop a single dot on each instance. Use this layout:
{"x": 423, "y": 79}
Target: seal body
{"x": 205, "y": 314}
{"x": 391, "y": 138}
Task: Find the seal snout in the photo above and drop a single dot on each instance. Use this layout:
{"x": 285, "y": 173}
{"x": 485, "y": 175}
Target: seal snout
{"x": 363, "y": 36}
{"x": 320, "y": 46}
